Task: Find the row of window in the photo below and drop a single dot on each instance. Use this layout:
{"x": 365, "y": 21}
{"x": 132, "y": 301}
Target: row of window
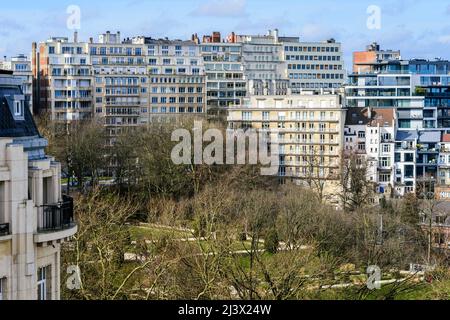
{"x": 313, "y": 58}
{"x": 177, "y": 110}
{"x": 311, "y": 49}
{"x": 174, "y": 90}
{"x": 177, "y": 100}
{"x": 314, "y": 67}
{"x": 154, "y": 62}
{"x": 129, "y": 51}
{"x": 306, "y": 76}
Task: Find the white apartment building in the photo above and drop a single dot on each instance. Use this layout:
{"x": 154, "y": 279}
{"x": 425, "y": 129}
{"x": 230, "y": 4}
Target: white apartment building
{"x": 370, "y": 134}
{"x": 313, "y": 65}
{"x": 444, "y": 161}
{"x": 225, "y": 83}
{"x": 309, "y": 128}
{"x": 177, "y": 79}
{"x": 121, "y": 94}
{"x": 35, "y": 218}
{"x": 262, "y": 56}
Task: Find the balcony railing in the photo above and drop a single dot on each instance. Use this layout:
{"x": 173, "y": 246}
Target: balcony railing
{"x": 57, "y": 216}
{"x": 4, "y": 229}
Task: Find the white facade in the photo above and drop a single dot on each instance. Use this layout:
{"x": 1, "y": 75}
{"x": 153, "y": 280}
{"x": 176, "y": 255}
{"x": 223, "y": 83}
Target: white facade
{"x": 35, "y": 219}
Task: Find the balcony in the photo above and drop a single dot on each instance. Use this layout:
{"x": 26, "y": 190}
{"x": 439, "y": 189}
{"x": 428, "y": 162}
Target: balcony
{"x": 56, "y": 221}
{"x": 4, "y": 229}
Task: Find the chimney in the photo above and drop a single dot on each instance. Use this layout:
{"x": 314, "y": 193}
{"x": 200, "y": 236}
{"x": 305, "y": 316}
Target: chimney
{"x": 119, "y": 40}
{"x": 75, "y": 37}
{"x": 91, "y": 40}
{"x": 276, "y": 34}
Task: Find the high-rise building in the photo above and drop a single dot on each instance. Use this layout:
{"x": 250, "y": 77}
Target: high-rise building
{"x": 309, "y": 130}
{"x": 225, "y": 80}
{"x": 62, "y": 74}
{"x": 120, "y": 82}
{"x": 262, "y": 56}
{"x": 177, "y": 80}
{"x": 35, "y": 218}
{"x": 314, "y": 65}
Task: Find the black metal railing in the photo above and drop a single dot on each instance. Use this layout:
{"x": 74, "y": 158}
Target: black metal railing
{"x": 57, "y": 216}
{"x": 4, "y": 229}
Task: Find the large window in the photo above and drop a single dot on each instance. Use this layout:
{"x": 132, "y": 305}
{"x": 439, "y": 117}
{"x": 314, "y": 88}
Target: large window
{"x": 2, "y": 289}
{"x": 44, "y": 285}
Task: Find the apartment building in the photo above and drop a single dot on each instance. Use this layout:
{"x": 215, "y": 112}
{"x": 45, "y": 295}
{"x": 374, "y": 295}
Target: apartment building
{"x": 314, "y": 65}
{"x": 177, "y": 79}
{"x": 309, "y": 129}
{"x": 21, "y": 67}
{"x": 369, "y": 133}
{"x": 120, "y": 85}
{"x": 35, "y": 218}
{"x": 226, "y": 84}
{"x": 63, "y": 83}
{"x": 432, "y": 79}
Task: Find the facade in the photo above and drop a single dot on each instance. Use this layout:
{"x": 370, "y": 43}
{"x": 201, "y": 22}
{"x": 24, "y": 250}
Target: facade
{"x": 177, "y": 80}
{"x": 226, "y": 84}
{"x": 309, "y": 129}
{"x": 63, "y": 82}
{"x": 262, "y": 56}
{"x": 418, "y": 91}
{"x": 21, "y": 67}
{"x": 120, "y": 83}
{"x": 314, "y": 65}
{"x": 370, "y": 134}
{"x": 35, "y": 218}
{"x": 444, "y": 161}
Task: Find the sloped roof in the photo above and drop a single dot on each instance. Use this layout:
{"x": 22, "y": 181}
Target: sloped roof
{"x": 430, "y": 136}
{"x": 10, "y": 127}
{"x": 382, "y": 117}
{"x": 356, "y": 116}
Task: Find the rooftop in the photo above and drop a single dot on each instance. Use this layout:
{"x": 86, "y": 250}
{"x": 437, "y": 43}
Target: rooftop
{"x": 407, "y": 136}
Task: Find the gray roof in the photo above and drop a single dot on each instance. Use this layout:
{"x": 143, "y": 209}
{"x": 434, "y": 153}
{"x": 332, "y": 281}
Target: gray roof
{"x": 406, "y": 136}
{"x": 430, "y": 136}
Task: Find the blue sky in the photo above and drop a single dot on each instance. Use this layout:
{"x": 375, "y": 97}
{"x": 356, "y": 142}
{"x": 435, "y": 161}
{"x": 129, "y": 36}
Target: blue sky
{"x": 420, "y": 28}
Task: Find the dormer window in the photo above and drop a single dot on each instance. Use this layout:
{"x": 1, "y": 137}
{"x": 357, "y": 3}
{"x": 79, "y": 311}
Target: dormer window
{"x": 18, "y": 108}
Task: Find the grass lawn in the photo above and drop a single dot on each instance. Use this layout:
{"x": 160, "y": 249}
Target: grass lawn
{"x": 154, "y": 233}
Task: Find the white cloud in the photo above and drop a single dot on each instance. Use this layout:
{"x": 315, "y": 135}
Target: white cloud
{"x": 221, "y": 8}
{"x": 444, "y": 39}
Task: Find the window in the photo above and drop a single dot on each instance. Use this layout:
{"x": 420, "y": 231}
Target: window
{"x": 18, "y": 108}
{"x": 409, "y": 157}
{"x": 361, "y": 134}
{"x": 44, "y": 285}
{"x": 385, "y": 162}
{"x": 441, "y": 219}
{"x": 386, "y": 148}
{"x": 385, "y": 178}
{"x": 2, "y": 289}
